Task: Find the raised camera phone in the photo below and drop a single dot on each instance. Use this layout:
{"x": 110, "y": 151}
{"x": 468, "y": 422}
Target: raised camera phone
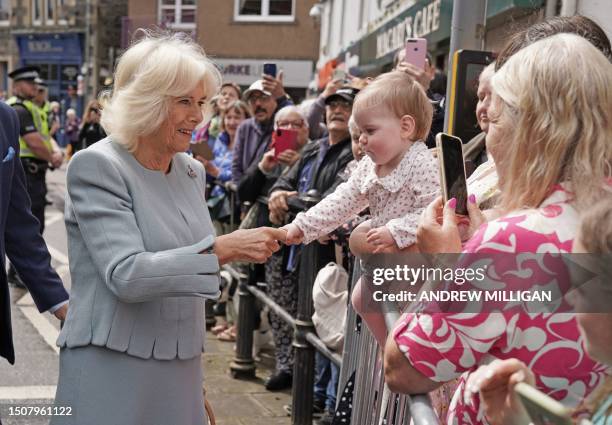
{"x": 339, "y": 74}
{"x": 452, "y": 170}
{"x": 416, "y": 51}
{"x": 283, "y": 140}
{"x": 269, "y": 69}
{"x": 542, "y": 409}
{"x": 203, "y": 150}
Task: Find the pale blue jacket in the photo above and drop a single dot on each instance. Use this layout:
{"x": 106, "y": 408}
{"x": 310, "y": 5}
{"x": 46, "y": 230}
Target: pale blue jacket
{"x": 134, "y": 237}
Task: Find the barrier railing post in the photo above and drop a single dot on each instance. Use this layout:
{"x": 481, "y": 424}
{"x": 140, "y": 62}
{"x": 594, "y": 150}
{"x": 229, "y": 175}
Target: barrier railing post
{"x": 209, "y": 313}
{"x": 304, "y": 359}
{"x": 243, "y": 365}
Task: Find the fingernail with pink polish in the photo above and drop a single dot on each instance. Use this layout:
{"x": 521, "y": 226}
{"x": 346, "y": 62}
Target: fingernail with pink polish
{"x": 472, "y": 198}
{"x": 452, "y": 203}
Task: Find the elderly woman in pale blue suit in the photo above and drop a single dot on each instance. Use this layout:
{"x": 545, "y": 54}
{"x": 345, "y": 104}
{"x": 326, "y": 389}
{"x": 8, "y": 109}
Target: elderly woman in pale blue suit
{"x": 143, "y": 255}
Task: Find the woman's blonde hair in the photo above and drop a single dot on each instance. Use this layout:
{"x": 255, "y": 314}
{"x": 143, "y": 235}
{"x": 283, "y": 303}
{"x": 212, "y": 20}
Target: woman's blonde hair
{"x": 236, "y": 105}
{"x": 149, "y": 74}
{"x": 557, "y": 95}
{"x": 402, "y": 95}
{"x": 93, "y": 104}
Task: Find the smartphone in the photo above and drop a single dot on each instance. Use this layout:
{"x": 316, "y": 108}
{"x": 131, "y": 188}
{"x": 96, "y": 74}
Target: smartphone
{"x": 203, "y": 150}
{"x": 452, "y": 170}
{"x": 339, "y": 74}
{"x": 542, "y": 409}
{"x": 416, "y": 51}
{"x": 283, "y": 140}
{"x": 269, "y": 69}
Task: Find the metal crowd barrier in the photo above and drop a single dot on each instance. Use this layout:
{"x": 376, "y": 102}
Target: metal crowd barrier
{"x": 373, "y": 403}
{"x": 231, "y": 190}
{"x": 361, "y": 360}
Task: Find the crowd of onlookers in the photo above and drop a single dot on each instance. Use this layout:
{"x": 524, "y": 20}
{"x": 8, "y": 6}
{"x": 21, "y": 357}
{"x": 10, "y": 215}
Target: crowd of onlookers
{"x": 364, "y": 151}
{"x": 542, "y": 161}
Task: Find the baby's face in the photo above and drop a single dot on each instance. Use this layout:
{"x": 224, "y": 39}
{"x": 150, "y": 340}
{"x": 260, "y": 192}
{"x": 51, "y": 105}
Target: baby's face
{"x": 380, "y": 134}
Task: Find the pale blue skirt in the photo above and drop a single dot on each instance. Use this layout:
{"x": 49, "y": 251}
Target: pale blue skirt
{"x": 106, "y": 387}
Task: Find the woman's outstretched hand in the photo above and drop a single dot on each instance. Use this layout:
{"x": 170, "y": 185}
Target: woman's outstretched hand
{"x": 250, "y": 245}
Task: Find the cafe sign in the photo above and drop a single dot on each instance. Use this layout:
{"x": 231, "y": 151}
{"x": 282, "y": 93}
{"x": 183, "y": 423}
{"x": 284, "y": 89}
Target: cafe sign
{"x": 420, "y": 21}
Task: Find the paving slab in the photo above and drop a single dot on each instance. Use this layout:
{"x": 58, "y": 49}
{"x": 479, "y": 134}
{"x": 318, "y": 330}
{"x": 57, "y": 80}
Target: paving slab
{"x": 241, "y": 402}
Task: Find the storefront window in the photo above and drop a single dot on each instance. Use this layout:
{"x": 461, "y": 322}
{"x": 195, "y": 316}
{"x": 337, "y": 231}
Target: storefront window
{"x": 5, "y": 12}
{"x": 36, "y": 12}
{"x": 264, "y": 10}
{"x": 62, "y": 14}
{"x": 50, "y": 12}
{"x": 177, "y": 13}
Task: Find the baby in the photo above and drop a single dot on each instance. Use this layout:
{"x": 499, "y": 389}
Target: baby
{"x": 397, "y": 179}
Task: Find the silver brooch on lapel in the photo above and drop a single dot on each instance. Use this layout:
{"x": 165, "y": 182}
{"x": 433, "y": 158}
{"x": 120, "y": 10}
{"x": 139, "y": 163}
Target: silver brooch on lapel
{"x": 191, "y": 172}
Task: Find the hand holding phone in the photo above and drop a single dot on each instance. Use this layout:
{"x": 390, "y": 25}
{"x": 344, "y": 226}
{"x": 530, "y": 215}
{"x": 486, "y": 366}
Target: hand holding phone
{"x": 202, "y": 149}
{"x": 283, "y": 140}
{"x": 269, "y": 69}
{"x": 452, "y": 170}
{"x": 339, "y": 75}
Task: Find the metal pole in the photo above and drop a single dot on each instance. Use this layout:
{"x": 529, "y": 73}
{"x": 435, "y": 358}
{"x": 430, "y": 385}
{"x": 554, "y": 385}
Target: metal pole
{"x": 209, "y": 315}
{"x": 95, "y": 38}
{"x": 243, "y": 365}
{"x": 551, "y": 8}
{"x": 87, "y": 76}
{"x": 303, "y": 366}
{"x": 420, "y": 407}
{"x": 467, "y": 32}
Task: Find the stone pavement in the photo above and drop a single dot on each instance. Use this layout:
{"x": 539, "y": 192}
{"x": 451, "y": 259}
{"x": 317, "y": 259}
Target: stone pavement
{"x": 241, "y": 402}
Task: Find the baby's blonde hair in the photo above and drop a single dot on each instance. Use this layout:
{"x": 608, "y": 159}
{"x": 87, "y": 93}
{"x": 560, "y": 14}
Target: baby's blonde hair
{"x": 353, "y": 129}
{"x": 400, "y": 94}
{"x": 556, "y": 99}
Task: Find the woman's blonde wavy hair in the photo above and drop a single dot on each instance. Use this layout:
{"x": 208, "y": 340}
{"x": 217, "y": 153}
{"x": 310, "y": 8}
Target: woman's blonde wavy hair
{"x": 149, "y": 74}
{"x": 557, "y": 93}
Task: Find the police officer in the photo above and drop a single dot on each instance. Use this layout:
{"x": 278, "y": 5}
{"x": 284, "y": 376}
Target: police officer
{"x": 37, "y": 150}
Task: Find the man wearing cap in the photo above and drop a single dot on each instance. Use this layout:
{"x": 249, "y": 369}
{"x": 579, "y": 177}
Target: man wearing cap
{"x": 265, "y": 97}
{"x": 36, "y": 149}
{"x": 319, "y": 168}
{"x": 41, "y": 104}
{"x": 20, "y": 237}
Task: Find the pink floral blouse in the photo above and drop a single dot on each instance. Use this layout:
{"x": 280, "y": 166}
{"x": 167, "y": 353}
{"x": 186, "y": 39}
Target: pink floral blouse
{"x": 444, "y": 346}
{"x": 396, "y": 200}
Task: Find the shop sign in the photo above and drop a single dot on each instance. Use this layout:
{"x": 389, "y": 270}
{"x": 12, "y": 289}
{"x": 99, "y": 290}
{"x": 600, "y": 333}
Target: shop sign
{"x": 36, "y": 46}
{"x": 420, "y": 21}
{"x": 495, "y": 7}
{"x": 59, "y": 47}
{"x": 244, "y": 72}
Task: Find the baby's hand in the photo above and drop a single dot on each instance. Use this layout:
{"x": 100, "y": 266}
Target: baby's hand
{"x": 295, "y": 235}
{"x": 380, "y": 237}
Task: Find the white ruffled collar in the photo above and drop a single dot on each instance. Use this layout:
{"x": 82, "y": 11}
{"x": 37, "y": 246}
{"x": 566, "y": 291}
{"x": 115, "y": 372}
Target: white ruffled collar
{"x": 395, "y": 180}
